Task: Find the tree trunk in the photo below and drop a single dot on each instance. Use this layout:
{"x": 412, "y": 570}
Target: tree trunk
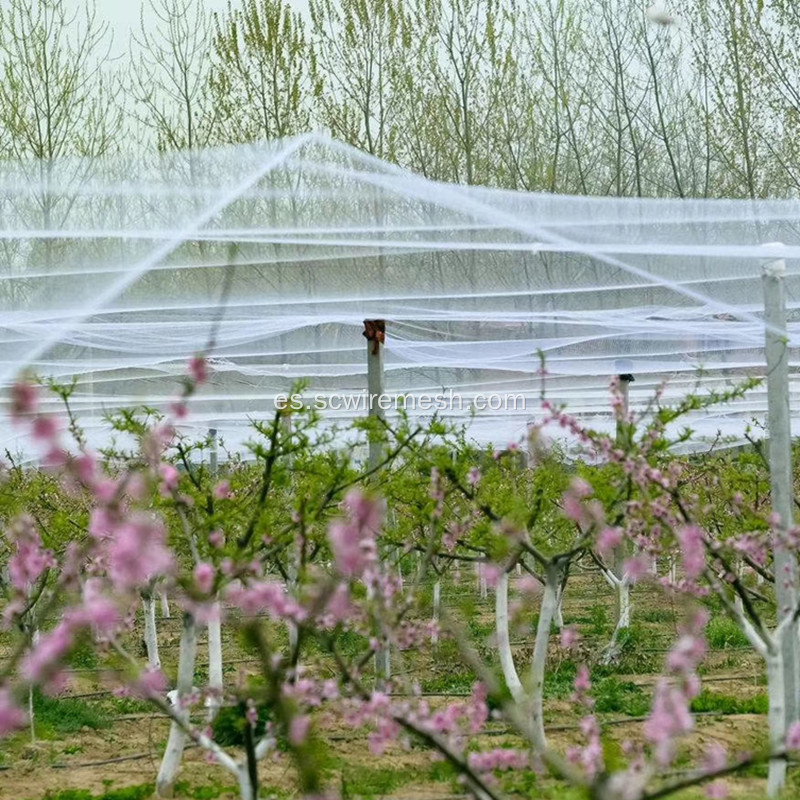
{"x": 504, "y": 642}
{"x": 214, "y": 662}
{"x": 150, "y": 631}
{"x": 777, "y": 721}
{"x": 165, "y": 605}
{"x": 546, "y": 614}
{"x": 170, "y": 764}
{"x": 559, "y": 613}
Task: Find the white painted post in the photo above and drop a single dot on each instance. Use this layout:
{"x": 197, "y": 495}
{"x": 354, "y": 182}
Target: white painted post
{"x": 213, "y": 458}
{"x": 215, "y": 680}
{"x": 780, "y": 463}
{"x": 375, "y": 334}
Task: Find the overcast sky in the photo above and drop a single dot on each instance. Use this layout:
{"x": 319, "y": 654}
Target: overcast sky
{"x": 123, "y": 15}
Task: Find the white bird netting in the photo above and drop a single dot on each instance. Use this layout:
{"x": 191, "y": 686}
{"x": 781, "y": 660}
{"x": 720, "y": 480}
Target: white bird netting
{"x": 116, "y": 271}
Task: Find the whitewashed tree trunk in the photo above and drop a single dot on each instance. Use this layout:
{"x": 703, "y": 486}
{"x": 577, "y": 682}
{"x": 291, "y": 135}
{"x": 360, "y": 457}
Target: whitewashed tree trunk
{"x": 777, "y": 720}
{"x": 624, "y": 599}
{"x": 437, "y": 604}
{"x": 150, "y": 631}
{"x": 549, "y": 602}
{"x": 245, "y": 787}
{"x": 504, "y": 641}
{"x": 559, "y": 614}
{"x": 170, "y": 764}
{"x": 483, "y": 587}
{"x": 622, "y": 588}
{"x": 215, "y": 662}
{"x": 165, "y": 612}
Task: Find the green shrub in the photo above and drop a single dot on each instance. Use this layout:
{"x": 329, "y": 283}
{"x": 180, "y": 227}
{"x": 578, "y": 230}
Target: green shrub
{"x": 230, "y": 724}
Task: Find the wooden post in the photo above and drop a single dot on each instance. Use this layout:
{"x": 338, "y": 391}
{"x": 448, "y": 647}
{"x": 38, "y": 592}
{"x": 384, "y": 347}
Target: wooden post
{"x": 780, "y": 464}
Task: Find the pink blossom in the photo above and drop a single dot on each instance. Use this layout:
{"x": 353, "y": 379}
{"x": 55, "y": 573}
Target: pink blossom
{"x": 204, "y": 574}
{"x": 474, "y": 477}
{"x": 573, "y": 509}
{"x": 98, "y": 611}
{"x": 11, "y": 716}
{"x": 299, "y": 728}
{"x": 583, "y": 682}
{"x": 45, "y": 429}
{"x": 137, "y": 552}
{"x": 151, "y": 682}
{"x": 691, "y": 540}
{"x": 498, "y": 759}
{"x": 24, "y": 399}
{"x": 169, "y": 478}
{"x": 717, "y": 790}
{"x": 198, "y": 368}
{"x": 101, "y": 522}
{"x": 353, "y": 540}
{"x": 581, "y": 488}
{"x": 339, "y": 607}
{"x": 669, "y": 718}
{"x": 42, "y": 661}
{"x": 268, "y": 596}
{"x": 793, "y": 737}
{"x": 608, "y": 540}
{"x": 637, "y": 567}
{"x": 529, "y": 585}
{"x": 85, "y": 467}
{"x": 222, "y": 490}
{"x": 491, "y": 574}
{"x": 715, "y": 757}
{"x": 569, "y": 637}
{"x": 29, "y": 560}
{"x": 179, "y": 409}
{"x": 216, "y": 539}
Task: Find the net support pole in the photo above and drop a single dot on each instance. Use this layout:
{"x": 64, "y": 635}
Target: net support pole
{"x": 375, "y": 333}
{"x": 215, "y": 676}
{"x": 780, "y": 463}
{"x": 622, "y": 592}
{"x": 213, "y": 458}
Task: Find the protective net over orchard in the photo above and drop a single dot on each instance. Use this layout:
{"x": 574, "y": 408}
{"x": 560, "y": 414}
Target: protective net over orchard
{"x": 117, "y": 271}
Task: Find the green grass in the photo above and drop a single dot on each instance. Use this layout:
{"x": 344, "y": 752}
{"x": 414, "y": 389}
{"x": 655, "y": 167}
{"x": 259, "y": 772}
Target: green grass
{"x": 449, "y": 682}
{"x": 722, "y": 633}
{"x": 59, "y": 715}
{"x": 128, "y": 793}
{"x": 208, "y": 792}
{"x": 726, "y": 704}
{"x": 621, "y": 697}
{"x": 361, "y": 781}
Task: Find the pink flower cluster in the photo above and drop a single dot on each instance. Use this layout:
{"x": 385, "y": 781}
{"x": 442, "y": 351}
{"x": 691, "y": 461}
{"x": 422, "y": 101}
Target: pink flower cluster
{"x": 353, "y": 540}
